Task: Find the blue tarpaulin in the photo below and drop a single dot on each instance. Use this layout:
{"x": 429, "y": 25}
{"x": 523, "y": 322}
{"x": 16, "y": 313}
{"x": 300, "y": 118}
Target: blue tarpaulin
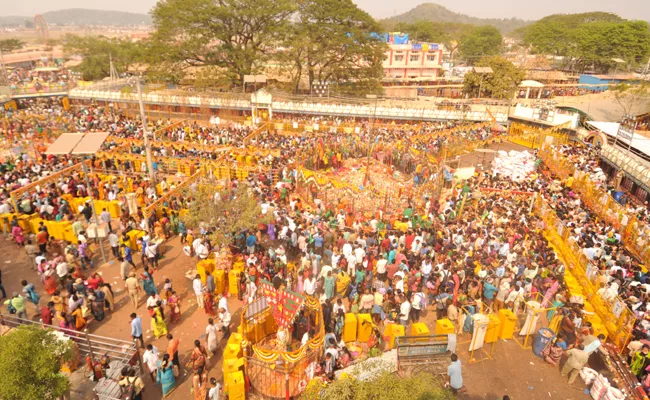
{"x": 381, "y": 36}
{"x": 401, "y": 39}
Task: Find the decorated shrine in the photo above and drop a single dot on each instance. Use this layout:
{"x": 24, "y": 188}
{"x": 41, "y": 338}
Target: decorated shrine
{"x": 273, "y": 330}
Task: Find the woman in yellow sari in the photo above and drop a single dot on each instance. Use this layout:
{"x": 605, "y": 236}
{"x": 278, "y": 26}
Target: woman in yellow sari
{"x": 342, "y": 283}
{"x": 157, "y": 322}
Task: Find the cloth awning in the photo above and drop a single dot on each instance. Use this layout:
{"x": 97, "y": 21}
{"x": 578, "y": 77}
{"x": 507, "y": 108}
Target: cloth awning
{"x": 90, "y": 143}
{"x": 65, "y": 143}
{"x": 531, "y": 84}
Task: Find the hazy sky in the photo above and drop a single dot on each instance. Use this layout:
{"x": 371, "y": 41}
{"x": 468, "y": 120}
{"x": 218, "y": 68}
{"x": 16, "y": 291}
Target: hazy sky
{"x": 632, "y": 9}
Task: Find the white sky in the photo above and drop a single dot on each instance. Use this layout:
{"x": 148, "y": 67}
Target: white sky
{"x": 631, "y": 9}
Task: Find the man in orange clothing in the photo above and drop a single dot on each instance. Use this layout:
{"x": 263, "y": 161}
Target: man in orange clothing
{"x": 172, "y": 349}
{"x": 41, "y": 240}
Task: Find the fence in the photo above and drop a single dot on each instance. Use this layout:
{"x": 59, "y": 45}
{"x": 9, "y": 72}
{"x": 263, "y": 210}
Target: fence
{"x": 466, "y": 325}
{"x": 44, "y": 88}
{"x": 120, "y": 352}
{"x": 533, "y": 137}
{"x": 613, "y": 317}
{"x": 634, "y": 233}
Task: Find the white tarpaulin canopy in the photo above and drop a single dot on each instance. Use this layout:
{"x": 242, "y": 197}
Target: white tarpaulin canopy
{"x": 77, "y": 143}
{"x": 531, "y": 84}
{"x": 64, "y": 143}
{"x": 90, "y": 143}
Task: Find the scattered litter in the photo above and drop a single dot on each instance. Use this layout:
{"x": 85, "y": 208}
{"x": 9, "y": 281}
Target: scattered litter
{"x": 531, "y": 363}
{"x": 8, "y": 262}
{"x": 586, "y": 391}
{"x": 549, "y": 394}
{"x": 530, "y": 387}
{"x": 196, "y": 324}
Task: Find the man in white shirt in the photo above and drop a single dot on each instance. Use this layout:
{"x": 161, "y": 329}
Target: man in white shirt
{"x": 225, "y": 318}
{"x": 4, "y": 208}
{"x": 359, "y": 254}
{"x": 339, "y": 306}
{"x": 416, "y": 246}
{"x": 309, "y": 286}
{"x": 62, "y": 270}
{"x": 195, "y": 244}
{"x": 202, "y": 250}
{"x": 381, "y": 268}
{"x": 404, "y": 311}
{"x": 213, "y": 394}
{"x": 197, "y": 286}
{"x": 223, "y": 303}
{"x": 114, "y": 241}
{"x": 150, "y": 358}
{"x": 347, "y": 249}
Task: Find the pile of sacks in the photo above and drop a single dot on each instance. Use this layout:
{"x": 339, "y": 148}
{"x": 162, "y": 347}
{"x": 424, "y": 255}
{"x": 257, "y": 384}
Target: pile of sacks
{"x": 600, "y": 387}
{"x": 514, "y": 164}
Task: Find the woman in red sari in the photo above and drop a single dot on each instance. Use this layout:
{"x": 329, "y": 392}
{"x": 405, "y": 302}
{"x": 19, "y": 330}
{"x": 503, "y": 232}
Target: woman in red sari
{"x": 208, "y": 300}
{"x": 174, "y": 303}
{"x": 49, "y": 282}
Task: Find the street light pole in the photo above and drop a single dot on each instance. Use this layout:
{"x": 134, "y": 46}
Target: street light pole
{"x": 145, "y": 134}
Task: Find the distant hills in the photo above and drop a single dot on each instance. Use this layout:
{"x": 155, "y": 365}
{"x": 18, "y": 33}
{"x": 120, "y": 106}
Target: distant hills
{"x": 82, "y": 17}
{"x": 437, "y": 13}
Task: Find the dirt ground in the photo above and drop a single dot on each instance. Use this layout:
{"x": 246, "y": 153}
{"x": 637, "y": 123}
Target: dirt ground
{"x": 512, "y": 370}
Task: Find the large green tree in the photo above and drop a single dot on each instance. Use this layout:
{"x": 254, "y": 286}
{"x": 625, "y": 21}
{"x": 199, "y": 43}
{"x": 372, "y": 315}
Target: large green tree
{"x": 96, "y": 52}
{"x": 11, "y": 44}
{"x": 596, "y": 44}
{"x": 237, "y": 36}
{"x": 331, "y": 41}
{"x": 30, "y": 364}
{"x": 589, "y": 41}
{"x": 547, "y": 38}
{"x": 480, "y": 42}
{"x": 230, "y": 214}
{"x": 500, "y": 84}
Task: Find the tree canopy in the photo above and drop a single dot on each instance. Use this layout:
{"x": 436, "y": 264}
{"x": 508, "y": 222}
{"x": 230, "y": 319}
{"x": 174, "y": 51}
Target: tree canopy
{"x": 11, "y": 44}
{"x": 326, "y": 40}
{"x": 228, "y": 213}
{"x": 237, "y": 35}
{"x": 385, "y": 386}
{"x": 479, "y": 42}
{"x": 331, "y": 41}
{"x": 500, "y": 84}
{"x": 97, "y": 51}
{"x": 30, "y": 364}
{"x": 590, "y": 40}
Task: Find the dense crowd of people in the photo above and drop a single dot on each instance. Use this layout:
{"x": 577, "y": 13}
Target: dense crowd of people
{"x": 41, "y": 78}
{"x": 433, "y": 256}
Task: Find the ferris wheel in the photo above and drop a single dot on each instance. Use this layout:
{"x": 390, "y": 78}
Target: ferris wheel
{"x": 41, "y": 28}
